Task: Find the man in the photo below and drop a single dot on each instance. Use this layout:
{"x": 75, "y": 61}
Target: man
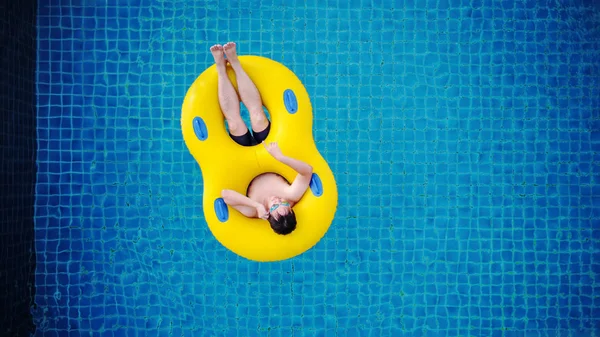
{"x": 269, "y": 196}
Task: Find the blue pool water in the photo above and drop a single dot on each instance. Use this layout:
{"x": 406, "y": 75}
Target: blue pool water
{"x": 464, "y": 137}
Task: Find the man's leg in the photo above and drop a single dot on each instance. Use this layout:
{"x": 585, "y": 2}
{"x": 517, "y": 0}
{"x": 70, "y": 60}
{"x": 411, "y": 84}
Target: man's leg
{"x": 248, "y": 93}
{"x": 228, "y": 99}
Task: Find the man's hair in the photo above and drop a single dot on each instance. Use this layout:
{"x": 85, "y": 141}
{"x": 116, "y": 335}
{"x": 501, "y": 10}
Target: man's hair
{"x": 283, "y": 224}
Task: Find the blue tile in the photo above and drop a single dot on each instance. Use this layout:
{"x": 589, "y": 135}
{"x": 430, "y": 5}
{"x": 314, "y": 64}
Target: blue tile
{"x": 465, "y": 166}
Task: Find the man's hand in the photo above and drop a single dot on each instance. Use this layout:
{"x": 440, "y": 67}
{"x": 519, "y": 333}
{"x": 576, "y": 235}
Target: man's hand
{"x": 262, "y": 212}
{"x": 274, "y": 150}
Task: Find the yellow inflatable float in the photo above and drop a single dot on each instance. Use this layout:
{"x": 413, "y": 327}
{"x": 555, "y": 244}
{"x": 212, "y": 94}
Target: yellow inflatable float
{"x": 227, "y": 165}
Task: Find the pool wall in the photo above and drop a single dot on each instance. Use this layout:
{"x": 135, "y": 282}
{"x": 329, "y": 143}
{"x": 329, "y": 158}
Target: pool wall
{"x": 17, "y": 165}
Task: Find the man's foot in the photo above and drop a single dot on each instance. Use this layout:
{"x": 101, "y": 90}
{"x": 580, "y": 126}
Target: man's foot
{"x": 217, "y": 52}
{"x": 231, "y": 53}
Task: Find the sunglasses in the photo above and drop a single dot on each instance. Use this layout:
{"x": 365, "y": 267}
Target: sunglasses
{"x": 276, "y": 206}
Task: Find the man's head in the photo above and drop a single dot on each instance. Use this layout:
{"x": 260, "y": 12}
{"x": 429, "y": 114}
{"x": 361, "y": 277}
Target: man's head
{"x": 281, "y": 216}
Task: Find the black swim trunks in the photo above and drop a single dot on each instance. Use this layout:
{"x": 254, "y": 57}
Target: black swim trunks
{"x": 249, "y": 140}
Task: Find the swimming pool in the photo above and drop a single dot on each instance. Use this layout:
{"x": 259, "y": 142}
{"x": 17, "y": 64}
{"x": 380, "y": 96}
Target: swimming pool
{"x": 463, "y": 135}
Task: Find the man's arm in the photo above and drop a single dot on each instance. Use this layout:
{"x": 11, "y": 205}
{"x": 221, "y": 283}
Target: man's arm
{"x": 302, "y": 181}
{"x": 300, "y": 184}
{"x": 240, "y": 202}
{"x": 301, "y": 167}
